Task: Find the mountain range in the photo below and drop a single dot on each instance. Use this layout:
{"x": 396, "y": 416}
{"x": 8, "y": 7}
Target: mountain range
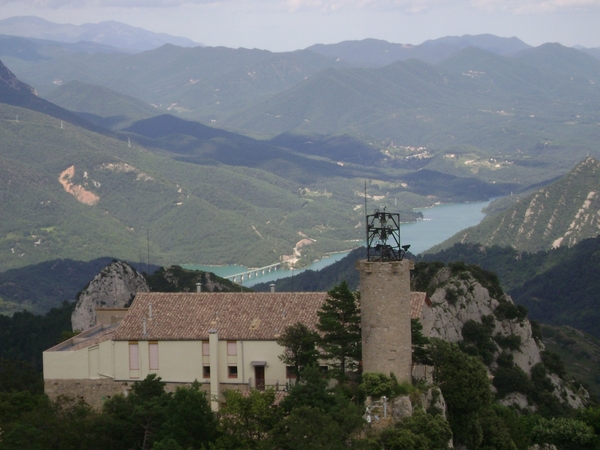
{"x": 375, "y": 52}
{"x": 110, "y": 33}
{"x": 285, "y": 148}
{"x": 512, "y": 118}
{"x": 168, "y": 190}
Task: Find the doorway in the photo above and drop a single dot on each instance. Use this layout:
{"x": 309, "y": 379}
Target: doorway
{"x": 259, "y": 375}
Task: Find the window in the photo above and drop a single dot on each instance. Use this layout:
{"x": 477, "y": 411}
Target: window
{"x": 231, "y": 348}
{"x": 205, "y": 348}
{"x": 153, "y": 355}
{"x": 206, "y": 371}
{"x": 233, "y": 373}
{"x": 289, "y": 372}
{"x": 134, "y": 356}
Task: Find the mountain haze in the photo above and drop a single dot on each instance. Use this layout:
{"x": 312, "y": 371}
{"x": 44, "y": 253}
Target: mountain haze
{"x": 209, "y": 196}
{"x": 112, "y": 33}
{"x": 377, "y": 53}
{"x": 101, "y": 105}
{"x": 513, "y": 120}
{"x": 205, "y": 83}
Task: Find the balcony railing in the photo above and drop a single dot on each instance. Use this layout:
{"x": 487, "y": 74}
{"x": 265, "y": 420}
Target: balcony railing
{"x": 269, "y": 383}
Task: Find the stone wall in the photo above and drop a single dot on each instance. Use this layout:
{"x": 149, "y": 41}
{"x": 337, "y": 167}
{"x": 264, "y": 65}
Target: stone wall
{"x": 385, "y": 317}
{"x": 93, "y": 392}
{"x": 96, "y": 392}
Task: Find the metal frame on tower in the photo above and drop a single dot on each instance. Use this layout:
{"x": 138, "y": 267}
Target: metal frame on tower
{"x": 383, "y": 237}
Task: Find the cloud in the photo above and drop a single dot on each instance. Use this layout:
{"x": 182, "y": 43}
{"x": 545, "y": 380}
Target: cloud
{"x": 536, "y": 6}
{"x": 331, "y": 6}
{"x": 57, "y": 4}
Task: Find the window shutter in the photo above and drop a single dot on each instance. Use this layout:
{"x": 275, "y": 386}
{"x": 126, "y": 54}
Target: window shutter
{"x": 134, "y": 356}
{"x": 231, "y": 348}
{"x": 153, "y": 353}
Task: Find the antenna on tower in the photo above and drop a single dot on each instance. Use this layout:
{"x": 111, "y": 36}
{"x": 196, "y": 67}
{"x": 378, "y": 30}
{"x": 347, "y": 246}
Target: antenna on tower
{"x": 129, "y": 142}
{"x": 365, "y": 197}
{"x": 61, "y": 125}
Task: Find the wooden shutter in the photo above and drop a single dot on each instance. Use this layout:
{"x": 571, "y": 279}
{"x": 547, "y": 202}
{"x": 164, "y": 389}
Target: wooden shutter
{"x": 231, "y": 348}
{"x": 153, "y": 355}
{"x": 134, "y": 356}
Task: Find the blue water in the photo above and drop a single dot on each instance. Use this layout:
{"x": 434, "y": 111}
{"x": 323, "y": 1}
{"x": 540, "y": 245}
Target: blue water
{"x": 440, "y": 222}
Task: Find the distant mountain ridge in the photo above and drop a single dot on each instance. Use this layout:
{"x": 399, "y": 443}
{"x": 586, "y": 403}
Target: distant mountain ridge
{"x": 559, "y": 215}
{"x": 476, "y": 114}
{"x": 377, "y": 53}
{"x": 14, "y": 92}
{"x": 100, "y": 105}
{"x": 111, "y": 33}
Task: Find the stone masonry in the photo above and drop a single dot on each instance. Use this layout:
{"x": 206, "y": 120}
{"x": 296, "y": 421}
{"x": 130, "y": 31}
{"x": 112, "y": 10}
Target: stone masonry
{"x": 385, "y": 317}
{"x": 96, "y": 391}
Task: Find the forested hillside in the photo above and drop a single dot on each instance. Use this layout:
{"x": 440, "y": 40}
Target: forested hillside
{"x": 558, "y": 215}
{"x": 163, "y": 190}
{"x": 87, "y": 195}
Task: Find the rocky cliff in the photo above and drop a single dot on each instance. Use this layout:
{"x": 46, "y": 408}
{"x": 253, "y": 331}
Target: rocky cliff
{"x": 558, "y": 215}
{"x": 114, "y": 287}
{"x": 469, "y": 308}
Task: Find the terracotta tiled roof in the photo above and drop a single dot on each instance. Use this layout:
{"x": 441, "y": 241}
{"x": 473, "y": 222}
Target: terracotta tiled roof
{"x": 236, "y": 316}
{"x": 417, "y": 301}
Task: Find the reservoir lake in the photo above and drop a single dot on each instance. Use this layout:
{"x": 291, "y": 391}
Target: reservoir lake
{"x": 438, "y": 224}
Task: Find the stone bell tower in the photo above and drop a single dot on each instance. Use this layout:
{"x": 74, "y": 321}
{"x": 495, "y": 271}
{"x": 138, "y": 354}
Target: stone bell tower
{"x": 385, "y": 299}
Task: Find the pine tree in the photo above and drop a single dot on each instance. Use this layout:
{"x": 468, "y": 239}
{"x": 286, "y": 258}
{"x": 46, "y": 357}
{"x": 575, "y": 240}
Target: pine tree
{"x": 300, "y": 348}
{"x": 339, "y": 323}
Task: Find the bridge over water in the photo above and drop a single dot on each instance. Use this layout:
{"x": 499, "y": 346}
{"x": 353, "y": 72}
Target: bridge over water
{"x": 253, "y": 273}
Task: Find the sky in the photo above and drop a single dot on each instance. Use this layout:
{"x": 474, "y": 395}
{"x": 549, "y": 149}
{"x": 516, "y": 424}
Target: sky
{"x": 284, "y": 25}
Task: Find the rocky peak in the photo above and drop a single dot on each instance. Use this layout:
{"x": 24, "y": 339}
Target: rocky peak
{"x": 114, "y": 287}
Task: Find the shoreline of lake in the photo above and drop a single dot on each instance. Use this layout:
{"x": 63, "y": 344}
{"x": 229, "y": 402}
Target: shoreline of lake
{"x": 439, "y": 222}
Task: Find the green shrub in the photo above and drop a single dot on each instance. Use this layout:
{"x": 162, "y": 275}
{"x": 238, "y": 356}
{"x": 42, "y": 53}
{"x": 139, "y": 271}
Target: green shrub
{"x": 553, "y": 363}
{"x": 511, "y": 341}
{"x": 511, "y": 379}
{"x": 478, "y": 339}
{"x": 378, "y": 384}
{"x": 509, "y": 311}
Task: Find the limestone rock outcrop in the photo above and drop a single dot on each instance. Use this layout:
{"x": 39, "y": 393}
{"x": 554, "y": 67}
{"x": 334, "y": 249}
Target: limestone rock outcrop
{"x": 458, "y": 299}
{"x": 461, "y": 296}
{"x": 114, "y": 287}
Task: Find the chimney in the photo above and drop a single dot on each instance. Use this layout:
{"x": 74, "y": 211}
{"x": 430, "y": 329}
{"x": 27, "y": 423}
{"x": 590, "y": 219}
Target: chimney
{"x": 144, "y": 327}
{"x": 198, "y": 287}
{"x": 272, "y": 285}
{"x": 150, "y": 310}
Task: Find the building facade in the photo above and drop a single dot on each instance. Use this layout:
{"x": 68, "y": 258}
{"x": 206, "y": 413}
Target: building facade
{"x": 223, "y": 340}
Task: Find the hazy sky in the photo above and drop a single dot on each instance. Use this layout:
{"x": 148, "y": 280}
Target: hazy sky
{"x": 282, "y": 25}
